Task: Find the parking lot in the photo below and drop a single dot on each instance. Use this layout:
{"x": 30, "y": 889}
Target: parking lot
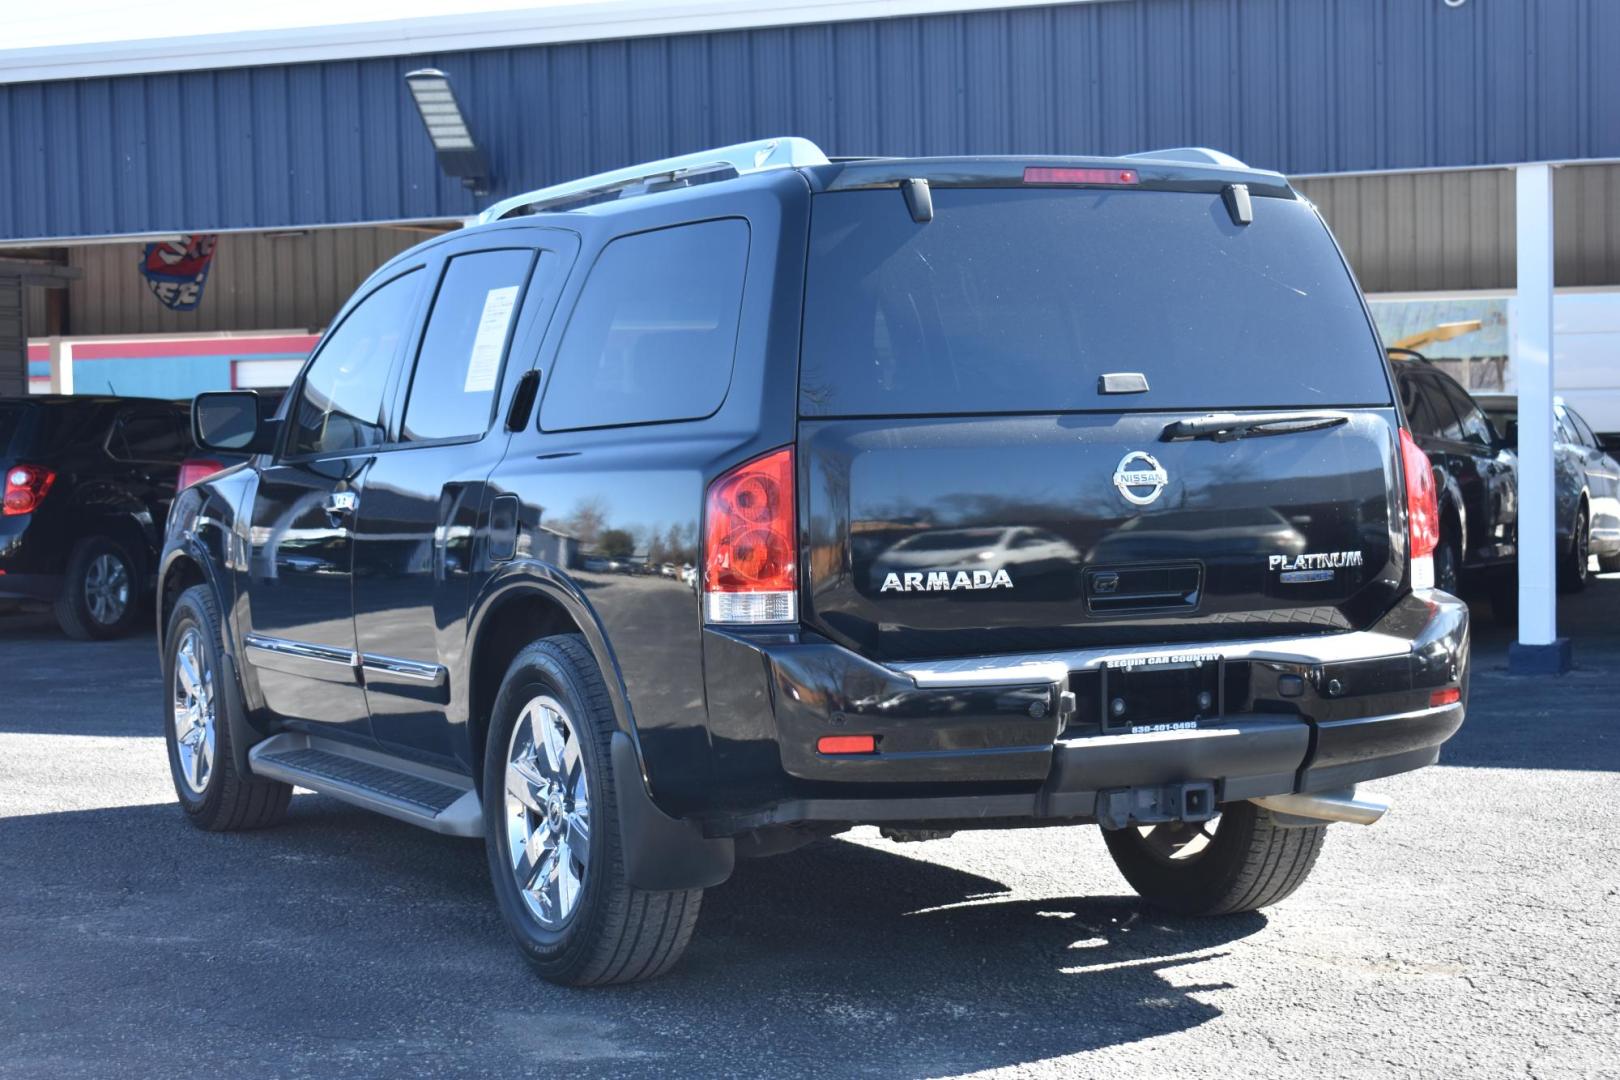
{"x": 1476, "y": 930}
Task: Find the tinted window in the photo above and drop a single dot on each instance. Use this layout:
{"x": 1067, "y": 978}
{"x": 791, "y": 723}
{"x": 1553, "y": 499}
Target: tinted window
{"x": 1582, "y": 428}
{"x": 1017, "y": 299}
{"x": 339, "y": 405}
{"x": 464, "y": 347}
{"x": 1563, "y": 429}
{"x": 11, "y": 418}
{"x": 655, "y": 329}
{"x": 1471, "y": 420}
{"x": 1418, "y": 398}
{"x": 149, "y": 435}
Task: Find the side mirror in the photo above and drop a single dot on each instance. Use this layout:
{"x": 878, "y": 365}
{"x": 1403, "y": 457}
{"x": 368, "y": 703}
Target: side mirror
{"x": 230, "y": 422}
{"x": 1510, "y": 437}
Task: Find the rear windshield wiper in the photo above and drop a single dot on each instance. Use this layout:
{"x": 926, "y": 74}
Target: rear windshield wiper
{"x": 1224, "y": 427}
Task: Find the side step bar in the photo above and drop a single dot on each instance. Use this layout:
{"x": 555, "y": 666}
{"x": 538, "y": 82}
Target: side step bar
{"x": 419, "y": 794}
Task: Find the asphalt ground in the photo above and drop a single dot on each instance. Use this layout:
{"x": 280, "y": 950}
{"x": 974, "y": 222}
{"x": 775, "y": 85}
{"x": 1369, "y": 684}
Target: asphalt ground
{"x": 1475, "y": 931}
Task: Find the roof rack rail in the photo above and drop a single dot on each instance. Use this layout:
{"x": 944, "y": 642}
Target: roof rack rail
{"x": 1200, "y": 155}
{"x": 738, "y": 160}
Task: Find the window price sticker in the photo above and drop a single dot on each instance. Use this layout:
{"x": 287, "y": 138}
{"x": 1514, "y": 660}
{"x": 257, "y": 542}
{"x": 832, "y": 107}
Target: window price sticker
{"x": 485, "y": 362}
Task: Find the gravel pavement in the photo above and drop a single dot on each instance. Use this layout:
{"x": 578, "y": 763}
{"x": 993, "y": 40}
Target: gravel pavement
{"x": 1475, "y": 931}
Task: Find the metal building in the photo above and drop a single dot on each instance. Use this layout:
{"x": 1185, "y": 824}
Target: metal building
{"x": 290, "y": 162}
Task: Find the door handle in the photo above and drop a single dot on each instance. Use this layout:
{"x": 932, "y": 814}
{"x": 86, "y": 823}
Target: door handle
{"x": 342, "y": 504}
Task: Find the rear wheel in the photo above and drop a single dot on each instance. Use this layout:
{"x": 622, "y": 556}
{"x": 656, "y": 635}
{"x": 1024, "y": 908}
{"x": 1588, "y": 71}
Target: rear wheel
{"x": 1240, "y": 861}
{"x": 1573, "y": 568}
{"x": 551, "y": 822}
{"x": 100, "y": 591}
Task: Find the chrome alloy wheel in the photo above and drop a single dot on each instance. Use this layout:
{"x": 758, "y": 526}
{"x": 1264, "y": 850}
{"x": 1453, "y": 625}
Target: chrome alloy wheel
{"x": 548, "y": 811}
{"x": 195, "y": 727}
{"x": 1179, "y": 841}
{"x": 106, "y": 589}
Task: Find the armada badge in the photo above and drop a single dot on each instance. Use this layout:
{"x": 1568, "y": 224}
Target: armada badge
{"x": 1140, "y": 478}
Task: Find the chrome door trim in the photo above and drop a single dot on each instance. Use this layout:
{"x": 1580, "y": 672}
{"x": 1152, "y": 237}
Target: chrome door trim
{"x": 303, "y": 650}
{"x": 374, "y": 663}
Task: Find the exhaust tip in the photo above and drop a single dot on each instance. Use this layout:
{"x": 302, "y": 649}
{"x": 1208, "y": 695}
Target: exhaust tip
{"x": 1327, "y": 806}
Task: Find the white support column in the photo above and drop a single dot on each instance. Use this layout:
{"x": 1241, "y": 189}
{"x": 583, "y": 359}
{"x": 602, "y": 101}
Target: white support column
{"x": 61, "y": 366}
{"x": 1538, "y": 648}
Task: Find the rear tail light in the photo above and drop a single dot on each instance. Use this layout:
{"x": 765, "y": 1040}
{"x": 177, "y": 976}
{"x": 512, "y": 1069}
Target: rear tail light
{"x": 1422, "y": 512}
{"x": 1037, "y": 174}
{"x": 1449, "y": 696}
{"x": 750, "y": 569}
{"x": 26, "y": 486}
{"x": 195, "y": 469}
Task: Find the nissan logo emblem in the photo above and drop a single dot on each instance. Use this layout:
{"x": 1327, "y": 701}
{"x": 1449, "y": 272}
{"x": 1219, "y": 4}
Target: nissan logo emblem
{"x": 1140, "y": 478}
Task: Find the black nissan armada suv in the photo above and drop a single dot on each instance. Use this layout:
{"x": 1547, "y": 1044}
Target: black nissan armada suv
{"x": 709, "y": 507}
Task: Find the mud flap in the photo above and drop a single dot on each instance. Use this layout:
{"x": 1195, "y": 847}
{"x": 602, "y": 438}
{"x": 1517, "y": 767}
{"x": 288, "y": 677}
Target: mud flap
{"x": 661, "y": 853}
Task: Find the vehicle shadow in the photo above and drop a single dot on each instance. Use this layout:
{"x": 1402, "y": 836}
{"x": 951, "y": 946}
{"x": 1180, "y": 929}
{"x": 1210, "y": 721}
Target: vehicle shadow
{"x": 363, "y": 933}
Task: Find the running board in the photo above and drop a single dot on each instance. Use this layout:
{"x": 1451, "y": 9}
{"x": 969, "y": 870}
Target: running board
{"x": 435, "y": 799}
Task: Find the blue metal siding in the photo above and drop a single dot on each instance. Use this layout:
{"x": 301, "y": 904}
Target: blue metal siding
{"x": 1303, "y": 86}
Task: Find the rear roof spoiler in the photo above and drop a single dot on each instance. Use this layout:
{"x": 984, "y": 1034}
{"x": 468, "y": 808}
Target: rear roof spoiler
{"x": 1153, "y": 171}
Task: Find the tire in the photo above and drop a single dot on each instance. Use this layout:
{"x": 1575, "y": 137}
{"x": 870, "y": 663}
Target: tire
{"x": 213, "y": 793}
{"x": 1574, "y": 564}
{"x": 101, "y": 590}
{"x": 1251, "y": 862}
{"x": 1609, "y": 564}
{"x": 1448, "y": 563}
{"x": 600, "y": 930}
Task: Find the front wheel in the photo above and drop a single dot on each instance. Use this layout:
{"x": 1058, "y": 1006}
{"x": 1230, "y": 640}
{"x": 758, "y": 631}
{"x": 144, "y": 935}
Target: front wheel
{"x": 551, "y": 823}
{"x": 214, "y": 794}
{"x": 1241, "y": 860}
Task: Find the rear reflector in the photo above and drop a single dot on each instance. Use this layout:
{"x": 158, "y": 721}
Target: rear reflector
{"x": 847, "y": 744}
{"x": 1037, "y": 174}
{"x": 1422, "y": 512}
{"x": 195, "y": 469}
{"x": 1449, "y": 696}
{"x": 26, "y": 487}
{"x": 750, "y": 572}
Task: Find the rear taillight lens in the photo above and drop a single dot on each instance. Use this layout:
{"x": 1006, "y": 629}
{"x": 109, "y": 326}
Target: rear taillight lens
{"x": 195, "y": 469}
{"x": 1422, "y": 512}
{"x": 26, "y": 486}
{"x": 750, "y": 568}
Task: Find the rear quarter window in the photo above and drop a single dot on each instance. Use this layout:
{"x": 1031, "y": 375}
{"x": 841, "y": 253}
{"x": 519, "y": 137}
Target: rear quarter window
{"x": 1017, "y": 299}
{"x": 654, "y": 332}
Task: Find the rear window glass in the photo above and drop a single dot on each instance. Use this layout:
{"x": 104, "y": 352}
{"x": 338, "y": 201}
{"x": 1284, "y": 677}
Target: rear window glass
{"x": 11, "y": 419}
{"x": 654, "y": 332}
{"x": 1016, "y": 300}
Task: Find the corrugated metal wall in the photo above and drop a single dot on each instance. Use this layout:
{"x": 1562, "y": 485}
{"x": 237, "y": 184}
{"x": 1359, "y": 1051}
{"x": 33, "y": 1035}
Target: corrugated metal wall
{"x": 1422, "y": 232}
{"x": 1304, "y": 86}
{"x": 256, "y": 282}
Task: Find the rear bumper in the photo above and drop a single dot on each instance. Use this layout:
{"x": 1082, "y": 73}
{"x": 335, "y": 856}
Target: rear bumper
{"x": 41, "y": 587}
{"x": 990, "y": 738}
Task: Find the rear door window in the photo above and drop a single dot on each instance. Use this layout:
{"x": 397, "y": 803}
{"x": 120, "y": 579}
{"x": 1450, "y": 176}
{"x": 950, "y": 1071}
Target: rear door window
{"x": 1017, "y": 299}
{"x": 1471, "y": 420}
{"x": 654, "y": 332}
{"x": 150, "y": 435}
{"x": 1419, "y": 401}
{"x": 464, "y": 346}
